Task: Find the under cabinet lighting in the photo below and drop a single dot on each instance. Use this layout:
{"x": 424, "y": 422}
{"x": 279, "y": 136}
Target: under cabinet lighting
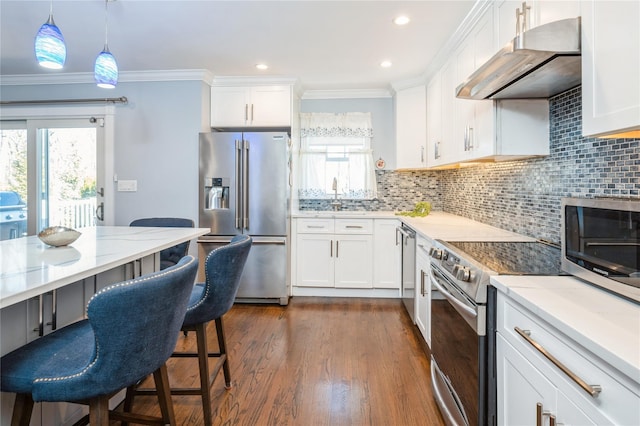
{"x": 385, "y": 64}
{"x": 262, "y": 66}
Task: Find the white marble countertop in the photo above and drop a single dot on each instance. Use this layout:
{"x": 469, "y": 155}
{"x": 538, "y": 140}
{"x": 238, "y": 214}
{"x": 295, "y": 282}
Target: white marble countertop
{"x": 436, "y": 225}
{"x": 30, "y": 267}
{"x": 605, "y": 324}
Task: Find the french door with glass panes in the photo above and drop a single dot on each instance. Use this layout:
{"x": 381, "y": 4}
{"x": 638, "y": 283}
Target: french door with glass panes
{"x": 51, "y": 172}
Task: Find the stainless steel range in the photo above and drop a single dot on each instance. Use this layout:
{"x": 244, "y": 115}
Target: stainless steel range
{"x": 462, "y": 342}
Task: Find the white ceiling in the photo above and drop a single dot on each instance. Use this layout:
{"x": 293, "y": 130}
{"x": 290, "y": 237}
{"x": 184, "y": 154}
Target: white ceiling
{"x": 327, "y": 45}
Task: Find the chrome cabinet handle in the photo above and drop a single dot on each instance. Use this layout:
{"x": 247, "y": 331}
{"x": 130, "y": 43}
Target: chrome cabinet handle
{"x": 331, "y": 248}
{"x": 337, "y": 242}
{"x": 470, "y": 138}
{"x": 592, "y": 390}
{"x": 436, "y": 151}
{"x": 422, "y": 154}
{"x": 252, "y": 113}
{"x": 422, "y": 279}
{"x": 246, "y": 112}
{"x": 353, "y": 227}
{"x": 315, "y": 226}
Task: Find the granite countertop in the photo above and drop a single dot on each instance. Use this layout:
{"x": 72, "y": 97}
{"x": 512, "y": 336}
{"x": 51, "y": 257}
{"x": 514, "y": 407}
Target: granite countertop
{"x": 436, "y": 225}
{"x": 30, "y": 267}
{"x": 607, "y": 325}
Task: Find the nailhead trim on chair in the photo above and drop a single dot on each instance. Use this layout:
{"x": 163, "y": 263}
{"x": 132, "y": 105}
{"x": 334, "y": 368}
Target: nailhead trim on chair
{"x": 122, "y": 284}
{"x": 204, "y": 297}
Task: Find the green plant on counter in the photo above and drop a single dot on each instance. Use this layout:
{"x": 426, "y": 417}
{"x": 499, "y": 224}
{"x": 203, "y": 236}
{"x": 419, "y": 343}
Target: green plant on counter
{"x": 421, "y": 210}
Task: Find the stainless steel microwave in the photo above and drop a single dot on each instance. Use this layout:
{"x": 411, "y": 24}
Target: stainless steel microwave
{"x": 601, "y": 243}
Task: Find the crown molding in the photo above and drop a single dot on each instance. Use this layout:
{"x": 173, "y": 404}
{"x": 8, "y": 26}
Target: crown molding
{"x": 124, "y": 77}
{"x": 224, "y": 80}
{"x": 347, "y": 94}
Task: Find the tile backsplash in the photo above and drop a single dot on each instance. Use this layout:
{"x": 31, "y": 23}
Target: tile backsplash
{"x": 521, "y": 196}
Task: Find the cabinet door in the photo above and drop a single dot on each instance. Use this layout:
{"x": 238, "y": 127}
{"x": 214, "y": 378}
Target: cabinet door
{"x": 520, "y": 387}
{"x": 448, "y": 90}
{"x": 386, "y": 254}
{"x": 353, "y": 261}
{"x": 434, "y": 119}
{"x": 411, "y": 128}
{"x": 230, "y": 106}
{"x": 610, "y": 68}
{"x": 423, "y": 293}
{"x": 270, "y": 106}
{"x": 315, "y": 260}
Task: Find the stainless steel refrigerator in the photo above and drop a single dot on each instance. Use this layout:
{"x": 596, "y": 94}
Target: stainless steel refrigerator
{"x": 245, "y": 189}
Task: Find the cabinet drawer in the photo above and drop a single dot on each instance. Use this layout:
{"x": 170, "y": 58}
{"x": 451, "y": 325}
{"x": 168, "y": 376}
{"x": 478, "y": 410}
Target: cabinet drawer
{"x": 618, "y": 394}
{"x": 354, "y": 226}
{"x": 315, "y": 226}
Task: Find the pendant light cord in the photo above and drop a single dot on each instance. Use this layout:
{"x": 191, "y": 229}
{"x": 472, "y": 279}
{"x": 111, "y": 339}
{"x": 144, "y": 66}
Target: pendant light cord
{"x": 106, "y": 24}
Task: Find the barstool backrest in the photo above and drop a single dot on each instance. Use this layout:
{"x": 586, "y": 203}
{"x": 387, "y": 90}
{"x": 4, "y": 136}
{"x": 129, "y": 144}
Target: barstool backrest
{"x": 223, "y": 269}
{"x": 171, "y": 255}
{"x": 136, "y": 325}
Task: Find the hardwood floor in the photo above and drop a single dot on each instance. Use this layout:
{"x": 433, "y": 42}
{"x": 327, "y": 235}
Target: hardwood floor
{"x": 318, "y": 361}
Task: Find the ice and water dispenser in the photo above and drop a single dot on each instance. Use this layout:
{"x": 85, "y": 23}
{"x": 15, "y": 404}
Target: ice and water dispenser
{"x": 216, "y": 193}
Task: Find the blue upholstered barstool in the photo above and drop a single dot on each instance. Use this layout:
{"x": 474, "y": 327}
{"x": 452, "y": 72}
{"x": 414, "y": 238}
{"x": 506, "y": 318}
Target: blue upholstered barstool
{"x": 131, "y": 330}
{"x": 210, "y": 301}
{"x": 172, "y": 255}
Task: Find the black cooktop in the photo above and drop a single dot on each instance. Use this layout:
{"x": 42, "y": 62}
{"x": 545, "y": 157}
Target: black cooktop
{"x": 513, "y": 258}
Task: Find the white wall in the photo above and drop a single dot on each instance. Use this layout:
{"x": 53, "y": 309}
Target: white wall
{"x": 156, "y": 141}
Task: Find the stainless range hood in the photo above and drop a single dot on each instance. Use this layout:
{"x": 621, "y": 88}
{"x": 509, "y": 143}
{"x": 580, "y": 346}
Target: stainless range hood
{"x": 539, "y": 63}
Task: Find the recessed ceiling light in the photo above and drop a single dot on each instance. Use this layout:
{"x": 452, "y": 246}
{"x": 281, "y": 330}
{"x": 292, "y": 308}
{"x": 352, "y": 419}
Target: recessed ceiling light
{"x": 385, "y": 64}
{"x": 262, "y": 66}
{"x": 401, "y": 20}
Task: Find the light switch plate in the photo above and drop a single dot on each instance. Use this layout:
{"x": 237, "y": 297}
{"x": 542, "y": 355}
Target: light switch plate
{"x": 127, "y": 185}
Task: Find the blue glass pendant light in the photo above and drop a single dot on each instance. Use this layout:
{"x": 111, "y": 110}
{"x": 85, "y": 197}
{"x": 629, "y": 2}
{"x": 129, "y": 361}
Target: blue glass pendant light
{"x": 51, "y": 51}
{"x": 105, "y": 70}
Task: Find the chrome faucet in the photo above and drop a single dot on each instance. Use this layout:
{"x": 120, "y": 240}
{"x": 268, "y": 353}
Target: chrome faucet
{"x": 335, "y": 203}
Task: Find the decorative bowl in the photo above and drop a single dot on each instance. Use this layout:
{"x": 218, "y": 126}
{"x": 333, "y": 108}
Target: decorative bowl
{"x": 58, "y": 236}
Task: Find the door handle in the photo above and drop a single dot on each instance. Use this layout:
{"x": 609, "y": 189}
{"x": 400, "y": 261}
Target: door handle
{"x": 100, "y": 212}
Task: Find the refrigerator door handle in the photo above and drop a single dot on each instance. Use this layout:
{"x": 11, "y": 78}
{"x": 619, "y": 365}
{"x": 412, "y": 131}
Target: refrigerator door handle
{"x": 238, "y": 182}
{"x": 245, "y": 185}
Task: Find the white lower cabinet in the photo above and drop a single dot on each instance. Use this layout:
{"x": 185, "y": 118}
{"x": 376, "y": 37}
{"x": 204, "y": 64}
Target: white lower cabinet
{"x": 423, "y": 288}
{"x": 532, "y": 389}
{"x": 334, "y": 253}
{"x": 387, "y": 262}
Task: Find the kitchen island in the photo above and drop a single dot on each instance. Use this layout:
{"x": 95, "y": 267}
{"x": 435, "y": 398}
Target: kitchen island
{"x": 30, "y": 267}
{"x": 43, "y": 288}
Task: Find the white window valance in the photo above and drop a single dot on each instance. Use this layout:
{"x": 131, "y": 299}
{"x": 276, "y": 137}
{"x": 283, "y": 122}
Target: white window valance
{"x": 350, "y": 124}
{"x": 336, "y": 146}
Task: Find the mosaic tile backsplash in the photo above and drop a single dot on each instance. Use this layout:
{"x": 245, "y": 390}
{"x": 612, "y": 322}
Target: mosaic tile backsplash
{"x": 521, "y": 196}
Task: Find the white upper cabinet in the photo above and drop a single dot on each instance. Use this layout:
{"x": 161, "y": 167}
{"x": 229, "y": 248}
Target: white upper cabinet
{"x": 411, "y": 128}
{"x": 434, "y": 119}
{"x": 481, "y": 130}
{"x": 251, "y": 106}
{"x": 610, "y": 68}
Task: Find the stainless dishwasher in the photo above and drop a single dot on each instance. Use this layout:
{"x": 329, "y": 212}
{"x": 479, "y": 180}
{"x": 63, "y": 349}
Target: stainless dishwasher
{"x": 406, "y": 237}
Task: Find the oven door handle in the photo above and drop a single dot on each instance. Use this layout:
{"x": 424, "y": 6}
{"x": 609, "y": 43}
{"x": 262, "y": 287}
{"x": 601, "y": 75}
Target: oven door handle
{"x": 468, "y": 313}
